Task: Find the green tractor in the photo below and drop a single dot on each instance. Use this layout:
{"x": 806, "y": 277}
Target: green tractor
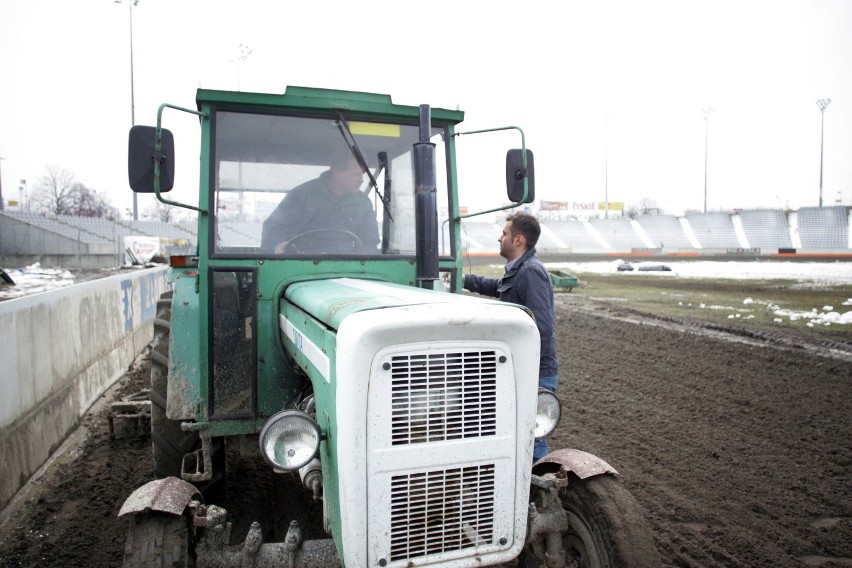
{"x": 329, "y": 335}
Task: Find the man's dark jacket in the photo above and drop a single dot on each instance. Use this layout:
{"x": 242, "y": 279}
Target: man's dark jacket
{"x": 527, "y": 283}
{"x": 313, "y": 205}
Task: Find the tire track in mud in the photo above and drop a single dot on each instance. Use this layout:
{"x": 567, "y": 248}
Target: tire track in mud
{"x": 737, "y": 452}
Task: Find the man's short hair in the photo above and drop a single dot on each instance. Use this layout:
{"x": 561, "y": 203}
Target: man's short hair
{"x": 526, "y": 225}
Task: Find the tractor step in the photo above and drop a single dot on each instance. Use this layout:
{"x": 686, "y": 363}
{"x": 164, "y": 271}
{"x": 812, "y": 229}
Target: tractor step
{"x": 136, "y": 407}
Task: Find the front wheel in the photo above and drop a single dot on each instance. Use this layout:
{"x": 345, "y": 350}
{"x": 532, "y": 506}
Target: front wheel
{"x": 606, "y": 527}
{"x": 156, "y": 540}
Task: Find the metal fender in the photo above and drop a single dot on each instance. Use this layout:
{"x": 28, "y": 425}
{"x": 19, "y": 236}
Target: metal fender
{"x": 169, "y": 495}
{"x": 581, "y": 464}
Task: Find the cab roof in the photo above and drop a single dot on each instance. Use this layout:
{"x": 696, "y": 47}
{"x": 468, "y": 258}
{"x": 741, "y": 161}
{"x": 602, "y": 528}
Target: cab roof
{"x": 314, "y": 99}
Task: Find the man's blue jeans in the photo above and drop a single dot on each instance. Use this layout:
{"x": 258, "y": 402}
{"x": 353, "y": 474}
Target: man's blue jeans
{"x": 540, "y": 448}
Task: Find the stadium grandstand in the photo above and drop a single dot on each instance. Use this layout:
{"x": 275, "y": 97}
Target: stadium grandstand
{"x": 86, "y": 242}
{"x": 713, "y": 230}
{"x": 82, "y": 242}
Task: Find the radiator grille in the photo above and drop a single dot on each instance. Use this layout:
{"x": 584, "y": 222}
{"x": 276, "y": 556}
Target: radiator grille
{"x": 440, "y": 511}
{"x": 443, "y": 396}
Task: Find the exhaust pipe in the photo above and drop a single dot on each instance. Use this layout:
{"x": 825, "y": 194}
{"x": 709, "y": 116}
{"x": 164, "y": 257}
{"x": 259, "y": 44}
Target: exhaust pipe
{"x": 425, "y": 204}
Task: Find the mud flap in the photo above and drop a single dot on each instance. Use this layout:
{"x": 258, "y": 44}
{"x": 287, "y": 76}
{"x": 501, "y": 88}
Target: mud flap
{"x": 168, "y": 495}
{"x": 581, "y": 464}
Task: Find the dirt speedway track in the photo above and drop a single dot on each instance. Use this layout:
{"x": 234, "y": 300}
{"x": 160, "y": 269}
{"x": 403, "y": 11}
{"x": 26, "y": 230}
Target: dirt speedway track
{"x": 738, "y": 447}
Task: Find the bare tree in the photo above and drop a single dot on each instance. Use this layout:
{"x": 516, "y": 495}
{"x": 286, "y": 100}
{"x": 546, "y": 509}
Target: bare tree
{"x": 91, "y": 203}
{"x": 644, "y": 206}
{"x": 58, "y": 192}
{"x": 54, "y": 191}
{"x": 161, "y": 212}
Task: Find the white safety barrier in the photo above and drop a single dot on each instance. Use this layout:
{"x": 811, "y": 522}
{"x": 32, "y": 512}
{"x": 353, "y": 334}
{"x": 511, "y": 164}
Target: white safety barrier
{"x": 59, "y": 351}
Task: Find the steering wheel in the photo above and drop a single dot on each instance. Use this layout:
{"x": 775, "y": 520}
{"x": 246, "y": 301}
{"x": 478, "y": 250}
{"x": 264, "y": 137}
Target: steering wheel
{"x": 345, "y": 242}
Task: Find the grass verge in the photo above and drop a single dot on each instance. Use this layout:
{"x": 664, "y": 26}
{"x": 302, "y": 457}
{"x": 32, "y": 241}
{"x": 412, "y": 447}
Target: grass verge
{"x": 771, "y": 305}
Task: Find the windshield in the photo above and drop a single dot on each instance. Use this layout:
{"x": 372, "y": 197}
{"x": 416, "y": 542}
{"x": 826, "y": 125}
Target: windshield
{"x": 296, "y": 186}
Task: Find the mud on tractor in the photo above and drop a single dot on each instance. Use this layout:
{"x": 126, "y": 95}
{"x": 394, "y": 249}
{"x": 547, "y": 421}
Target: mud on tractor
{"x": 408, "y": 410}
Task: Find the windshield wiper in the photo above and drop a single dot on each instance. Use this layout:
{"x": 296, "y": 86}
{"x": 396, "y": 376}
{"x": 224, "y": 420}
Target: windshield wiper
{"x": 343, "y": 126}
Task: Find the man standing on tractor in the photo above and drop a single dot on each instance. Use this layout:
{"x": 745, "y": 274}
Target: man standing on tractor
{"x": 526, "y": 282}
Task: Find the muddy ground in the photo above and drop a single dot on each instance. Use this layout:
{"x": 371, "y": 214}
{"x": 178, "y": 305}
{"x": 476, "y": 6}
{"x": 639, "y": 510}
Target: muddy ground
{"x": 738, "y": 447}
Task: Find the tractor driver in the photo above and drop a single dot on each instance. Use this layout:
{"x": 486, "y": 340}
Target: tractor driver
{"x": 328, "y": 214}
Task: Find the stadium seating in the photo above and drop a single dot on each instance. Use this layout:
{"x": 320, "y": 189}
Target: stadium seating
{"x": 190, "y": 226}
{"x": 665, "y": 231}
{"x": 714, "y": 230}
{"x": 545, "y": 242}
{"x": 479, "y": 236}
{"x": 107, "y": 230}
{"x": 160, "y": 229}
{"x": 576, "y": 235}
{"x": 56, "y": 225}
{"x": 618, "y": 233}
{"x": 766, "y": 229}
{"x": 240, "y": 234}
{"x": 823, "y": 227}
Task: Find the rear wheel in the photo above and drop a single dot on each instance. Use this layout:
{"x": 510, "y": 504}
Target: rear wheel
{"x": 169, "y": 442}
{"x": 606, "y": 527}
{"x": 155, "y": 540}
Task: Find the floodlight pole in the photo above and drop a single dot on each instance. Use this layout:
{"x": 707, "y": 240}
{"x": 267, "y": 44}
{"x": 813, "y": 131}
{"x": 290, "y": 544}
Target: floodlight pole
{"x": 131, "y": 4}
{"x": 1, "y": 190}
{"x": 707, "y": 113}
{"x": 606, "y": 167}
{"x": 822, "y": 104}
{"x": 22, "y": 188}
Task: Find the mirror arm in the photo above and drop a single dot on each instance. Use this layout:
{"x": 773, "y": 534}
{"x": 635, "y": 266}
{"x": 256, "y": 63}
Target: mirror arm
{"x": 518, "y": 174}
{"x": 476, "y": 214}
{"x": 158, "y": 155}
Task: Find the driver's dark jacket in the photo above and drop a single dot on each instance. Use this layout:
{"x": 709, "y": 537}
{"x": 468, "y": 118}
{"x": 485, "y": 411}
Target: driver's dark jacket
{"x": 526, "y": 283}
{"x": 312, "y": 206}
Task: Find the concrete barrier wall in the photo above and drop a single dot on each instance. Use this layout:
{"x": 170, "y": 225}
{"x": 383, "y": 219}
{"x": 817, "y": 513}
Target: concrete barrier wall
{"x": 59, "y": 351}
{"x": 70, "y": 261}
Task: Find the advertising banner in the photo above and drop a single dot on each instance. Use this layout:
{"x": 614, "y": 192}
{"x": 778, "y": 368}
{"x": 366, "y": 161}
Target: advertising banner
{"x": 553, "y": 205}
{"x": 139, "y": 249}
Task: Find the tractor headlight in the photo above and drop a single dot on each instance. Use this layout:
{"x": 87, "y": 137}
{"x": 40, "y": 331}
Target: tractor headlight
{"x": 548, "y": 414}
{"x": 290, "y": 439}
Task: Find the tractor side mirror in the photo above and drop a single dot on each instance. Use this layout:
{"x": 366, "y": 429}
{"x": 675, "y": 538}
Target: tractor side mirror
{"x": 517, "y": 172}
{"x": 142, "y": 154}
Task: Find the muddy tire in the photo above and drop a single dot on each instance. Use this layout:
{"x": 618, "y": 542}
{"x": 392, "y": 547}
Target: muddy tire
{"x": 607, "y": 527}
{"x": 169, "y": 442}
{"x": 156, "y": 540}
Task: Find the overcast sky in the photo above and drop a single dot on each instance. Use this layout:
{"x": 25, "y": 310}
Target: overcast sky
{"x": 610, "y": 93}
